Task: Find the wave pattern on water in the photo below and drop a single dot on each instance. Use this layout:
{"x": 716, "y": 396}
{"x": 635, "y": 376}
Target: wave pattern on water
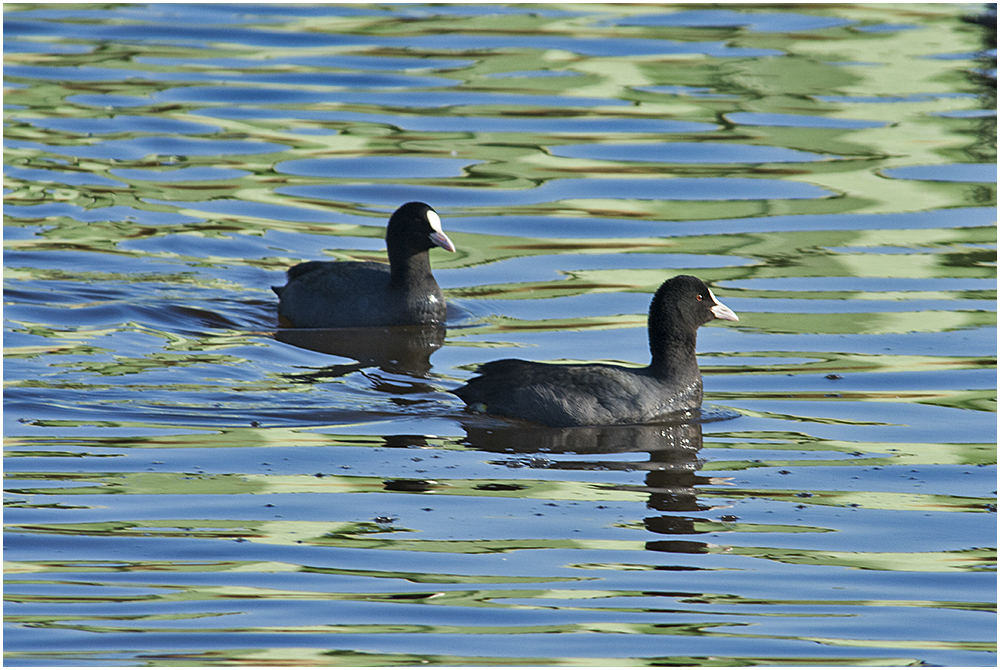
{"x": 176, "y": 466}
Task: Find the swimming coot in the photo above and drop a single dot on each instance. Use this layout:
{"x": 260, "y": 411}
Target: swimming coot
{"x": 348, "y": 294}
{"x": 601, "y": 394}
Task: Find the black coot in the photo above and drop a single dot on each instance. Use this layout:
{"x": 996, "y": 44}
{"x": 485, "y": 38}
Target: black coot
{"x": 599, "y": 394}
{"x": 346, "y": 294}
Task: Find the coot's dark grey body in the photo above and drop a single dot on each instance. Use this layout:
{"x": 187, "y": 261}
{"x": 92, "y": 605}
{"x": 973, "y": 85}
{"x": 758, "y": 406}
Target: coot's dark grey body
{"x": 599, "y": 394}
{"x": 347, "y": 294}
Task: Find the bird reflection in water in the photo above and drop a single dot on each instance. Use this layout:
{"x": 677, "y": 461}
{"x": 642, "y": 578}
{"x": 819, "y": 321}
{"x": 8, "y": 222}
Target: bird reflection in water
{"x": 671, "y": 479}
{"x": 397, "y": 350}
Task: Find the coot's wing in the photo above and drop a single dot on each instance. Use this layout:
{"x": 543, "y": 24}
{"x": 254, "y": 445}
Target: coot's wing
{"x": 322, "y": 294}
{"x": 559, "y": 395}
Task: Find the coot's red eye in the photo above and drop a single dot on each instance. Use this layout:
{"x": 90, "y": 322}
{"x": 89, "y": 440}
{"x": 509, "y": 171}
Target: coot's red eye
{"x": 700, "y": 298}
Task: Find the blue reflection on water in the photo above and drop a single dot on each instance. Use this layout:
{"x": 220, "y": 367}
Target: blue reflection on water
{"x": 568, "y": 189}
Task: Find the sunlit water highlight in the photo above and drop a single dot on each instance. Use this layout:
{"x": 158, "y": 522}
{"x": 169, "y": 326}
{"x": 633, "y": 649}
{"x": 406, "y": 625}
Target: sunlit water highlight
{"x": 177, "y": 467}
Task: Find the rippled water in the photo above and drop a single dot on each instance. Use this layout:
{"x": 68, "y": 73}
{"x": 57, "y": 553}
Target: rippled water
{"x": 187, "y": 485}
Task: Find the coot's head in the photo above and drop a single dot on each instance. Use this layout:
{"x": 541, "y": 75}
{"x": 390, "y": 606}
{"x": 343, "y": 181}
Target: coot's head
{"x": 680, "y": 306}
{"x": 415, "y": 227}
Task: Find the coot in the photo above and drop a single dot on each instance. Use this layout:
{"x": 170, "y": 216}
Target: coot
{"x": 601, "y": 394}
{"x": 347, "y": 294}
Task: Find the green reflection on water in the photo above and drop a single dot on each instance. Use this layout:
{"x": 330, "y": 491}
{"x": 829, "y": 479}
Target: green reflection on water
{"x": 816, "y": 79}
{"x": 326, "y": 656}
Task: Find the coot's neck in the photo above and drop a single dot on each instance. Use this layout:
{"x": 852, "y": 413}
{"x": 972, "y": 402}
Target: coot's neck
{"x": 673, "y": 350}
{"x": 408, "y": 267}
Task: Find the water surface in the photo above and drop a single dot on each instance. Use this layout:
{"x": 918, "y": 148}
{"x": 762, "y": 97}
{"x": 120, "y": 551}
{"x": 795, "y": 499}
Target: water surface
{"x": 178, "y": 467}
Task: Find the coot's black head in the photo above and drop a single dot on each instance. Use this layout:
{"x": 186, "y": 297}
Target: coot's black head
{"x": 413, "y": 228}
{"x": 680, "y": 306}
